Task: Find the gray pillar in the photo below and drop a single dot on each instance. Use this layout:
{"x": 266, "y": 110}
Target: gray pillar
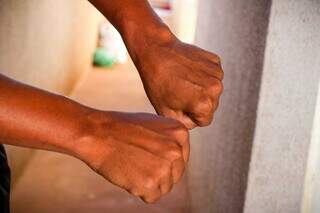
{"x": 286, "y": 108}
{"x": 236, "y": 30}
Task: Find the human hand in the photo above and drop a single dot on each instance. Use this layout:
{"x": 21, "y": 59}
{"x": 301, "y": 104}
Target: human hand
{"x": 142, "y": 153}
{"x": 182, "y": 81}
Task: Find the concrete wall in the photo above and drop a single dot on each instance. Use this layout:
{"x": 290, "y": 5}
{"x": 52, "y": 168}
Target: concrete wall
{"x": 287, "y": 106}
{"x": 236, "y": 30}
{"x": 45, "y": 43}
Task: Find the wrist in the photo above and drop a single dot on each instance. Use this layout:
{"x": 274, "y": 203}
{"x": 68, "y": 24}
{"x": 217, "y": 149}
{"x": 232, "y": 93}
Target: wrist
{"x": 73, "y": 131}
{"x": 142, "y": 32}
{"x": 141, "y": 42}
{"x": 94, "y": 144}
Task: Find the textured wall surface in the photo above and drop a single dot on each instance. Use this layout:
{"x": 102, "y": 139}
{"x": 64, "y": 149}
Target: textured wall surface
{"x": 236, "y": 30}
{"x": 286, "y": 108}
{"x": 45, "y": 43}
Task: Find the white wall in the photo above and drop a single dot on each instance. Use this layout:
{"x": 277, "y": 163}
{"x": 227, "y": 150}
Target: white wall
{"x": 287, "y": 106}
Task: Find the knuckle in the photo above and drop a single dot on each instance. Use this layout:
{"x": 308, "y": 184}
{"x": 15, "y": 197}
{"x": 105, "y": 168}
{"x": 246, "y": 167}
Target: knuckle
{"x": 180, "y": 133}
{"x": 204, "y": 122}
{"x": 221, "y": 73}
{"x": 174, "y": 153}
{"x": 218, "y": 71}
{"x": 150, "y": 183}
{"x": 219, "y": 87}
{"x": 217, "y": 58}
{"x": 204, "y": 112}
{"x": 203, "y": 107}
{"x": 164, "y": 170}
{"x": 215, "y": 88}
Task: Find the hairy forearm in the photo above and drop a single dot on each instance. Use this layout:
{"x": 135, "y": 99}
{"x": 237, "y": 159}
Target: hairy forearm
{"x": 35, "y": 118}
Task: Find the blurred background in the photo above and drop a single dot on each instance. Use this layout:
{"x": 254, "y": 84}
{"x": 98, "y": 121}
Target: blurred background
{"x": 262, "y": 152}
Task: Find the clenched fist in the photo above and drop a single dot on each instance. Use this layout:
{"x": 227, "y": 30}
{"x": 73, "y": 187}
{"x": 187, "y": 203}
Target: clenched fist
{"x": 142, "y": 153}
{"x": 182, "y": 81}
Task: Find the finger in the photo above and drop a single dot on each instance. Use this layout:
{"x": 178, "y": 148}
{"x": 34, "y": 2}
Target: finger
{"x": 152, "y": 197}
{"x": 214, "y": 89}
{"x": 217, "y": 64}
{"x": 179, "y": 116}
{"x": 212, "y": 57}
{"x": 175, "y": 157}
{"x": 178, "y": 167}
{"x": 212, "y": 70}
{"x": 150, "y": 189}
{"x": 166, "y": 183}
{"x": 201, "y": 112}
{"x": 187, "y": 121}
{"x": 182, "y": 138}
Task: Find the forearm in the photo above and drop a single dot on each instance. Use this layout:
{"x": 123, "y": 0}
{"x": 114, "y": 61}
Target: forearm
{"x": 34, "y": 118}
{"x": 182, "y": 81}
{"x": 137, "y": 23}
{"x": 128, "y": 13}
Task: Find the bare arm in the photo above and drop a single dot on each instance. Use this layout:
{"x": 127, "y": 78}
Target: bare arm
{"x": 34, "y": 118}
{"x": 142, "y": 153}
{"x": 182, "y": 81}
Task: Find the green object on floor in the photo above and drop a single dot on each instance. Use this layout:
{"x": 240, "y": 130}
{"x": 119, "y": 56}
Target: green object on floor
{"x": 102, "y": 58}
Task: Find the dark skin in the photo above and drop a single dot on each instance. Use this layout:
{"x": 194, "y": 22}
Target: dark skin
{"x": 142, "y": 153}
